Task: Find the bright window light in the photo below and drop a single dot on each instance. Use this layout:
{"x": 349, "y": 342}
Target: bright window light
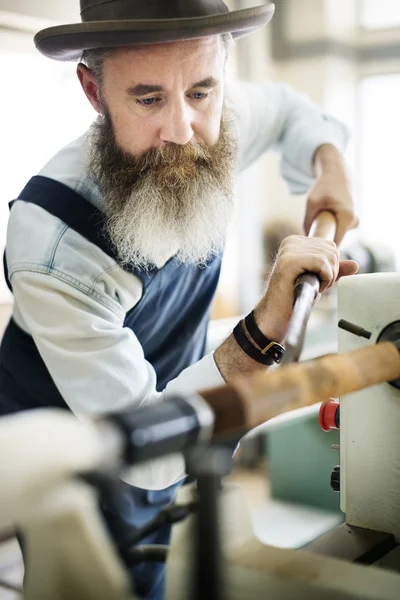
{"x": 42, "y": 108}
{"x": 384, "y": 14}
{"x": 378, "y": 152}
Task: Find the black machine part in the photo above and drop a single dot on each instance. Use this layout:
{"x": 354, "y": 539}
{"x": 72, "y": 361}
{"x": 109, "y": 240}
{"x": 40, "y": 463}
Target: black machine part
{"x": 337, "y": 417}
{"x": 173, "y": 425}
{"x": 352, "y": 328}
{"x": 208, "y": 464}
{"x": 391, "y": 333}
{"x": 335, "y": 479}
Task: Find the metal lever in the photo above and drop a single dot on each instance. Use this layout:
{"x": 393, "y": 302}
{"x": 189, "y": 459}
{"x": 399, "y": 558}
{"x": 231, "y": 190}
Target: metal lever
{"x": 305, "y": 292}
{"x": 352, "y": 328}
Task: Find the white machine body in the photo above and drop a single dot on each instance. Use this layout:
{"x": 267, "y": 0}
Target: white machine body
{"x": 370, "y": 418}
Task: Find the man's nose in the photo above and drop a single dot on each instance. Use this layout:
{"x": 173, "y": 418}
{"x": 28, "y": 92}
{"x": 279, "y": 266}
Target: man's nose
{"x": 177, "y": 124}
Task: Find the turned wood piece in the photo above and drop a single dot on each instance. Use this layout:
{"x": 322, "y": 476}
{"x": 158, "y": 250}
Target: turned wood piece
{"x": 250, "y": 401}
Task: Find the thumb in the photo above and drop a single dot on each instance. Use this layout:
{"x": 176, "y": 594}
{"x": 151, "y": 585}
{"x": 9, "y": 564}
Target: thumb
{"x": 310, "y": 215}
{"x": 317, "y": 297}
{"x": 340, "y": 231}
{"x": 347, "y": 267}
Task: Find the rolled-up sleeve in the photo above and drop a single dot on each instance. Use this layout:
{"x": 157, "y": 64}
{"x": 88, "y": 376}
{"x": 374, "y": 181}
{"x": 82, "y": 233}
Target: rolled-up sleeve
{"x": 272, "y": 116}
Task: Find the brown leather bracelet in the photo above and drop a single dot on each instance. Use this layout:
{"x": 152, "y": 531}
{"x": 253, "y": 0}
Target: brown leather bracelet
{"x": 248, "y": 347}
{"x": 268, "y": 347}
{"x": 255, "y": 332}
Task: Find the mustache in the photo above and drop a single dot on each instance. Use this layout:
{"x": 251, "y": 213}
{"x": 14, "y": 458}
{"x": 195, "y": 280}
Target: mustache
{"x": 168, "y": 155}
{"x": 174, "y": 165}
{"x": 172, "y": 154}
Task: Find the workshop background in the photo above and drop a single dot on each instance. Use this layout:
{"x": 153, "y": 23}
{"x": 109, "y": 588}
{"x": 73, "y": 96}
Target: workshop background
{"x": 345, "y": 55}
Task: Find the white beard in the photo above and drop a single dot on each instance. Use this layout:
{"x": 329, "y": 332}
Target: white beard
{"x": 176, "y": 200}
{"x": 155, "y": 225}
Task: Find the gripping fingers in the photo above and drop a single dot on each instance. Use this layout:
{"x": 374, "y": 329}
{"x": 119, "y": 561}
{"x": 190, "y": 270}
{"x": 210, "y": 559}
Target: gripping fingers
{"x": 326, "y": 266}
{"x": 329, "y": 256}
{"x": 299, "y": 254}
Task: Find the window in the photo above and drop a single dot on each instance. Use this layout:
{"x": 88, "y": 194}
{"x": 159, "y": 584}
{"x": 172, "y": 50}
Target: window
{"x": 42, "y": 108}
{"x": 384, "y": 14}
{"x": 378, "y": 154}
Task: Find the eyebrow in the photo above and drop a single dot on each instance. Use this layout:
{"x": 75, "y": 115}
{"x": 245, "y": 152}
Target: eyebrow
{"x": 208, "y": 82}
{"x": 141, "y": 89}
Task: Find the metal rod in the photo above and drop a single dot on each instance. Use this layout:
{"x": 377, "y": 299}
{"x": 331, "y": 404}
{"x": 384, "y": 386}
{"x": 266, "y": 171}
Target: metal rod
{"x": 352, "y": 328}
{"x": 305, "y": 292}
{"x": 208, "y": 572}
{"x": 208, "y": 464}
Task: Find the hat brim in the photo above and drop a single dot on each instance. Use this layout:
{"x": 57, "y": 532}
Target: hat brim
{"x": 67, "y": 42}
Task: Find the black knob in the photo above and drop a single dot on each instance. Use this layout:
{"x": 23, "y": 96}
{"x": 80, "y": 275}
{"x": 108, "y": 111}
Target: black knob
{"x": 352, "y": 328}
{"x": 391, "y": 333}
{"x": 335, "y": 479}
{"x": 337, "y": 417}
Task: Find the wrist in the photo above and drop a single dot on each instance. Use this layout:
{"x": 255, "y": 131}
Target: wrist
{"x": 273, "y": 325}
{"x": 327, "y": 158}
{"x": 233, "y": 362}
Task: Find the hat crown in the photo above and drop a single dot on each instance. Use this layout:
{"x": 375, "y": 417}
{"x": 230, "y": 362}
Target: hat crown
{"x": 105, "y": 10}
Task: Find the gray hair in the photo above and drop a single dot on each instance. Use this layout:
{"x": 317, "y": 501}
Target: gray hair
{"x": 94, "y": 58}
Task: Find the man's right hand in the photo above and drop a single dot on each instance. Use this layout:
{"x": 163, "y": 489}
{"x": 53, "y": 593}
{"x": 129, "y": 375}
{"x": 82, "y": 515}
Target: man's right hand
{"x": 297, "y": 254}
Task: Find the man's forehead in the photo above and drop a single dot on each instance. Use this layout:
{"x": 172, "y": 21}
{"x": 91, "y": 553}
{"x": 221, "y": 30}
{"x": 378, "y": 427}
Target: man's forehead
{"x": 211, "y": 45}
{"x": 160, "y": 65}
{"x": 141, "y": 89}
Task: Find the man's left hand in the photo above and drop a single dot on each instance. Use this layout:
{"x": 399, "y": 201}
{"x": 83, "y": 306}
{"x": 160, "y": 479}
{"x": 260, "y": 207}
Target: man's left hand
{"x": 331, "y": 191}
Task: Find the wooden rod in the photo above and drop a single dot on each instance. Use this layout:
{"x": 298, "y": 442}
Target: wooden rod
{"x": 324, "y": 226}
{"x": 251, "y": 401}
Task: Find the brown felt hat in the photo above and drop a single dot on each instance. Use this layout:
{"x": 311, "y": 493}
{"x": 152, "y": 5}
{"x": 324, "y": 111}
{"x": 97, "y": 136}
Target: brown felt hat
{"x": 114, "y": 23}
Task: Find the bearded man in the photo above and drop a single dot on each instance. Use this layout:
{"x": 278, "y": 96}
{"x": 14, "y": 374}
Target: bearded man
{"x": 114, "y": 248}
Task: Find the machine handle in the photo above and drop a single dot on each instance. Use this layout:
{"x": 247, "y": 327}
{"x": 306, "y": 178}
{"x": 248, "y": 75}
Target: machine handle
{"x": 305, "y": 291}
{"x": 324, "y": 226}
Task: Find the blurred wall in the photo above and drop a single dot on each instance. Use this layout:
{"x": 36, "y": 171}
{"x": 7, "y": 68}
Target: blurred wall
{"x": 55, "y": 10}
{"x": 318, "y": 47}
{"x": 293, "y": 51}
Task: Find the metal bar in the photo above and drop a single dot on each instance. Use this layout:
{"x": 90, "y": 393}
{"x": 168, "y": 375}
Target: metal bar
{"x": 208, "y": 464}
{"x": 305, "y": 292}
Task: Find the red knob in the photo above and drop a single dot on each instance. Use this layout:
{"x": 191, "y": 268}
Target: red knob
{"x": 327, "y": 415}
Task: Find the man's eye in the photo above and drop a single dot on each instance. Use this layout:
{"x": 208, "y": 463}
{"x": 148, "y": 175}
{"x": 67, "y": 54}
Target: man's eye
{"x": 199, "y": 95}
{"x": 147, "y": 101}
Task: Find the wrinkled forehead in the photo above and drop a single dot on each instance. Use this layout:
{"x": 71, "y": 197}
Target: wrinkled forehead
{"x": 206, "y": 55}
{"x": 210, "y": 44}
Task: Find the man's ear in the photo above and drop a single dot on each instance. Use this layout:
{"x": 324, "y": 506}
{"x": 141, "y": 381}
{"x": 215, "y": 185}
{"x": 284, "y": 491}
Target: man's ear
{"x": 89, "y": 85}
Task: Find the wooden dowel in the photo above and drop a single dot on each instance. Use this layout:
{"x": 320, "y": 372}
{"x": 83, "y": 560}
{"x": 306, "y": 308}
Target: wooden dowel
{"x": 251, "y": 401}
{"x": 324, "y": 226}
